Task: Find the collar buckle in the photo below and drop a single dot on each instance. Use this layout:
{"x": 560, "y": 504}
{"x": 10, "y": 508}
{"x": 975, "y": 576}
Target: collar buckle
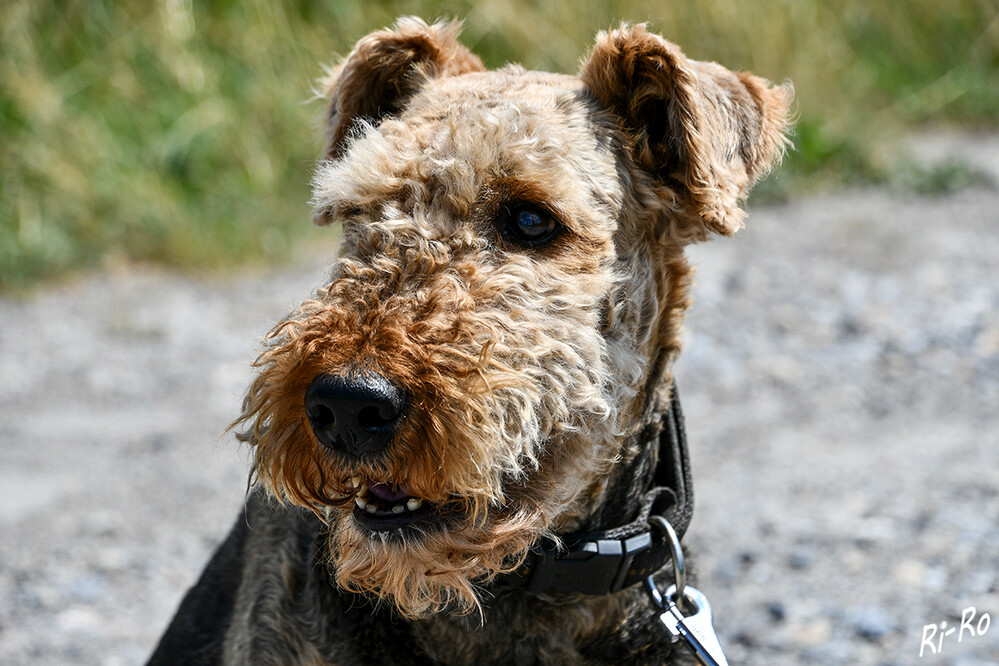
{"x": 599, "y": 566}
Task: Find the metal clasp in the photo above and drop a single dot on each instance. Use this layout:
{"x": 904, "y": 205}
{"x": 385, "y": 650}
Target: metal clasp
{"x": 695, "y": 629}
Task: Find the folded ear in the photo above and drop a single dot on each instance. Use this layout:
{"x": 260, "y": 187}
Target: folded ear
{"x": 704, "y": 132}
{"x": 384, "y": 70}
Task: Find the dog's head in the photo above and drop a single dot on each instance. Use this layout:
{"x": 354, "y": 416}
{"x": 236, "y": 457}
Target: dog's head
{"x": 507, "y": 298}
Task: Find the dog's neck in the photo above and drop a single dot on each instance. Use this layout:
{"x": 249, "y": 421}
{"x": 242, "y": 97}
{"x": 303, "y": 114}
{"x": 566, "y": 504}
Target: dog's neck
{"x": 628, "y": 481}
{"x": 642, "y": 451}
{"x": 617, "y": 546}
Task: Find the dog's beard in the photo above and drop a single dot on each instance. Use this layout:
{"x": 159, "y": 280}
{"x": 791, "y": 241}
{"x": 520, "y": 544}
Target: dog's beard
{"x": 431, "y": 569}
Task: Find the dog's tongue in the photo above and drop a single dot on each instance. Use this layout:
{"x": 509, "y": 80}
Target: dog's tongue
{"x": 384, "y": 492}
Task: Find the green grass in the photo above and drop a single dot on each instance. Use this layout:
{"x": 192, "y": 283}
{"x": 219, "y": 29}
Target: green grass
{"x": 183, "y": 133}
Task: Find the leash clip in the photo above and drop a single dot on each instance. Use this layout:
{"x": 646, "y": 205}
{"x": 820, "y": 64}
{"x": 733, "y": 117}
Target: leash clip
{"x": 696, "y": 629}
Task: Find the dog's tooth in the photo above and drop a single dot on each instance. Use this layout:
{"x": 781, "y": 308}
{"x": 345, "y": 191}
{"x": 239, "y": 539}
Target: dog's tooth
{"x": 355, "y": 481}
{"x": 398, "y": 508}
{"x": 413, "y": 504}
{"x": 361, "y": 503}
{"x": 370, "y": 508}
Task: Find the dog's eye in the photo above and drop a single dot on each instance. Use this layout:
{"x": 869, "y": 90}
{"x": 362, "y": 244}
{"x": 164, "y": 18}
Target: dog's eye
{"x": 530, "y": 226}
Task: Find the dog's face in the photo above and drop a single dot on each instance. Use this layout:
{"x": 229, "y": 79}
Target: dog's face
{"x": 511, "y": 280}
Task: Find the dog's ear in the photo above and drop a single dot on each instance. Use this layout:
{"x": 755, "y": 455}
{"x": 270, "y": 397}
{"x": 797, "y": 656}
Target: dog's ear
{"x": 383, "y": 71}
{"x": 386, "y": 68}
{"x": 705, "y": 133}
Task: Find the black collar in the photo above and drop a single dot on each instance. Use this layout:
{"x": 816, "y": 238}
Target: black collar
{"x": 610, "y": 560}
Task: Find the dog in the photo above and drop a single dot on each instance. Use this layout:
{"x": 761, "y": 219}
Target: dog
{"x": 486, "y": 375}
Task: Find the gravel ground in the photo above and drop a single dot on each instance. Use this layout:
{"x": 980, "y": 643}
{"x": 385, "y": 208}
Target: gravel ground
{"x": 841, "y": 383}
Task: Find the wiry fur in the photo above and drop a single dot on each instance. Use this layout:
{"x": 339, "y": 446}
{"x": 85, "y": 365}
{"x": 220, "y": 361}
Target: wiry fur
{"x": 527, "y": 371}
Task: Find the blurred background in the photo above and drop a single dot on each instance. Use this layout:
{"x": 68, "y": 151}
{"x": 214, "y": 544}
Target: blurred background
{"x": 184, "y": 133}
{"x": 841, "y": 370}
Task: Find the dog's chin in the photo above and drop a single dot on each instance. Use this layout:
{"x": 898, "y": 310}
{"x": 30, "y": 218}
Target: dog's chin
{"x": 429, "y": 558}
{"x": 405, "y": 560}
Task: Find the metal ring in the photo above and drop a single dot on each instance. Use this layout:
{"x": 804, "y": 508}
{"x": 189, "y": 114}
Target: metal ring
{"x": 676, "y": 552}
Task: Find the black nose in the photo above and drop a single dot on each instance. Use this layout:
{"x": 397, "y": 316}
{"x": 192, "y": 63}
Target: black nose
{"x": 355, "y": 414}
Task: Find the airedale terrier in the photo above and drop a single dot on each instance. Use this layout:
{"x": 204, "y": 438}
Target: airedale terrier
{"x": 485, "y": 379}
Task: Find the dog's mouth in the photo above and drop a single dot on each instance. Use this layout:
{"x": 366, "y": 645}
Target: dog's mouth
{"x": 381, "y": 506}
